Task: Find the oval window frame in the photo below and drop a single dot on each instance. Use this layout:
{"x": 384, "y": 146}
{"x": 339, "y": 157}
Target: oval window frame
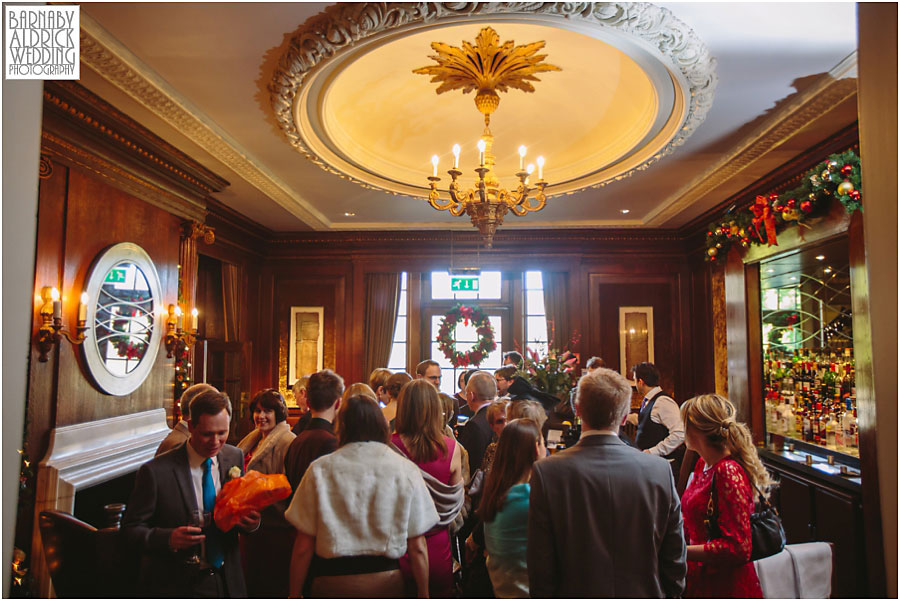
{"x": 106, "y": 260}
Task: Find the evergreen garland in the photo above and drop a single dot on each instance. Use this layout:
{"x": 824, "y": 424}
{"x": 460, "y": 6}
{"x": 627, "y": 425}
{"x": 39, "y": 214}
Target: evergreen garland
{"x": 836, "y": 177}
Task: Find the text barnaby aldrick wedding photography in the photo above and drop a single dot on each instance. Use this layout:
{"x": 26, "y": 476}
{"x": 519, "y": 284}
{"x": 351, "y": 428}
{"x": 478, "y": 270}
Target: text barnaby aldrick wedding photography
{"x": 42, "y": 42}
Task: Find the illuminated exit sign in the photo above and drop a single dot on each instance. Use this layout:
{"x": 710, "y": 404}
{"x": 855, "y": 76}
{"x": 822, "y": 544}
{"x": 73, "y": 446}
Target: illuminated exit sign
{"x": 464, "y": 284}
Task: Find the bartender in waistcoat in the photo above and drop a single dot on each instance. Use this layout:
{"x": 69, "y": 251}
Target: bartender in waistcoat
{"x": 660, "y": 430}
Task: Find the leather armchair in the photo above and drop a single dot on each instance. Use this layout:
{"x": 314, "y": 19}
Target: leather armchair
{"x": 83, "y": 561}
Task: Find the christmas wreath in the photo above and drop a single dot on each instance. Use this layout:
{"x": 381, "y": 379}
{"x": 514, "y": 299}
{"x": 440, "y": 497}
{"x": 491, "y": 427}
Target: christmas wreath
{"x": 484, "y": 345}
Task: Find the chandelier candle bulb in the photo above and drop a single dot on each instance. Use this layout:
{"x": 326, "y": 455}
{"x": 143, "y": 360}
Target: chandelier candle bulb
{"x": 506, "y": 66}
{"x": 456, "y": 150}
{"x": 434, "y": 163}
{"x": 540, "y": 162}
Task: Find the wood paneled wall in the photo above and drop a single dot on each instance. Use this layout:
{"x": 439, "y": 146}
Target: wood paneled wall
{"x": 78, "y": 217}
{"x": 104, "y": 180}
{"x": 605, "y": 270}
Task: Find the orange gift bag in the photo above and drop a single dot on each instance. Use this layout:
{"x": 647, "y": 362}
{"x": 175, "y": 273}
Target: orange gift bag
{"x": 254, "y": 491}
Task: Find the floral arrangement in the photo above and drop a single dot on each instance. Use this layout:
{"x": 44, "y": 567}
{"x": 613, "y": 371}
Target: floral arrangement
{"x": 555, "y": 373}
{"x": 484, "y": 345}
{"x": 838, "y": 177}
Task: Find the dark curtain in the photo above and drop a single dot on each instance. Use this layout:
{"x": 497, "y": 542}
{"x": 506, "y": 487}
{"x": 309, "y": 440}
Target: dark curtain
{"x": 382, "y": 301}
{"x": 231, "y": 295}
{"x": 556, "y": 289}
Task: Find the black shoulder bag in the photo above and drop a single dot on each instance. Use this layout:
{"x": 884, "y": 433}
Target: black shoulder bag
{"x": 766, "y": 530}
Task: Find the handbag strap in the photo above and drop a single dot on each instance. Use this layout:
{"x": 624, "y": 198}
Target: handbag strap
{"x": 760, "y": 495}
{"x": 712, "y": 508}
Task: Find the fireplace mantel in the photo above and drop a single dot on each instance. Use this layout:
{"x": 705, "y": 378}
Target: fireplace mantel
{"x": 84, "y": 455}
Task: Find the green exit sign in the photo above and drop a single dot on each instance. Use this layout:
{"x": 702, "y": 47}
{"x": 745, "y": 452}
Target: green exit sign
{"x": 116, "y": 276}
{"x": 464, "y": 284}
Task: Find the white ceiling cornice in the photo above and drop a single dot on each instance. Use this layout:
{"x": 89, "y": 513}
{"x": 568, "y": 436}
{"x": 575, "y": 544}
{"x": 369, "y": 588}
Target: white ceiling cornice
{"x": 780, "y": 126}
{"x": 104, "y": 54}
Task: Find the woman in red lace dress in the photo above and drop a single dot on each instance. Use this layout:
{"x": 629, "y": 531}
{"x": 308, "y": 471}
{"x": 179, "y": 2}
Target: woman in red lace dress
{"x": 728, "y": 461}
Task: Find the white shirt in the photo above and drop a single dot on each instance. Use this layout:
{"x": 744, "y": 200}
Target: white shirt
{"x": 666, "y": 412}
{"x": 586, "y": 433}
{"x": 195, "y": 461}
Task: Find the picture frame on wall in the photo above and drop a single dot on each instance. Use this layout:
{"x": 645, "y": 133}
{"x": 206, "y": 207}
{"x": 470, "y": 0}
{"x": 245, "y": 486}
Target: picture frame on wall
{"x": 306, "y": 342}
{"x": 635, "y": 338}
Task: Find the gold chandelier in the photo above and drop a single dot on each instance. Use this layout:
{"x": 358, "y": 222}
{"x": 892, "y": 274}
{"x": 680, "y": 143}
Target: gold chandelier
{"x": 487, "y": 67}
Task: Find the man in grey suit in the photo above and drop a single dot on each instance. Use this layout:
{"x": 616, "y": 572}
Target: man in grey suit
{"x": 167, "y": 490}
{"x": 604, "y": 519}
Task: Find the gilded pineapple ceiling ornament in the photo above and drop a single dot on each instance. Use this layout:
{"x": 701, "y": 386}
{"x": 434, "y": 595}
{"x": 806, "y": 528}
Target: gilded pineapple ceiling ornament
{"x": 488, "y": 67}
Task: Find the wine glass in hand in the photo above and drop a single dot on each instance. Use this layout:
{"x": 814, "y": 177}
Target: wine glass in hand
{"x": 197, "y": 519}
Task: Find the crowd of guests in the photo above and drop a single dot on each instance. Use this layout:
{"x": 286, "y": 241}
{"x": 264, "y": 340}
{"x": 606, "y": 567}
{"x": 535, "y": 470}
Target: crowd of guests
{"x": 399, "y": 490}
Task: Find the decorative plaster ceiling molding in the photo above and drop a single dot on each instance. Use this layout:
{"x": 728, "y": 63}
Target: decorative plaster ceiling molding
{"x": 511, "y": 225}
{"x": 780, "y": 126}
{"x": 115, "y": 63}
{"x": 59, "y": 149}
{"x": 677, "y": 63}
{"x": 341, "y": 239}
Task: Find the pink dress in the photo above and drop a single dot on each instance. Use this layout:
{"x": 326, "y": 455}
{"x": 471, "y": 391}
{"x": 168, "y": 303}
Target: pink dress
{"x": 729, "y": 573}
{"x": 440, "y": 563}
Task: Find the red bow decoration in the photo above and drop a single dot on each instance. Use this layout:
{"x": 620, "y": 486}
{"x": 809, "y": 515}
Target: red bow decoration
{"x": 763, "y": 214}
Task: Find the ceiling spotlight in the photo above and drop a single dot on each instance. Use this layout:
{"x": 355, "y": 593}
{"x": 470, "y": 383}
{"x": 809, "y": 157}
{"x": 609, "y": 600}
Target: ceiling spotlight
{"x": 770, "y": 270}
{"x": 349, "y": 214}
{"x": 793, "y": 279}
{"x": 820, "y": 258}
{"x": 828, "y": 270}
{"x": 625, "y": 211}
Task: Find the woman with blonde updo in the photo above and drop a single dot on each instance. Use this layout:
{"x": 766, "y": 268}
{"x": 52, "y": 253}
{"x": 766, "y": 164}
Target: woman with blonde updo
{"x": 730, "y": 469}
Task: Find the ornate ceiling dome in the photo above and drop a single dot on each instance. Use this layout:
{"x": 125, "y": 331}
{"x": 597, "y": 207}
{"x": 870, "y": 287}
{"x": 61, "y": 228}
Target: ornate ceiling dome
{"x": 635, "y": 83}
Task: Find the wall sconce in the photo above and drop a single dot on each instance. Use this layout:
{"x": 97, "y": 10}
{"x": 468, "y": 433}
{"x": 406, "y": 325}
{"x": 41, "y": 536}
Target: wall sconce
{"x": 51, "y": 330}
{"x": 176, "y": 333}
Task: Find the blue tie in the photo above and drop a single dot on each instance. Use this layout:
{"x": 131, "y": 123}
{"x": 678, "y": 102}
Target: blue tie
{"x": 214, "y": 553}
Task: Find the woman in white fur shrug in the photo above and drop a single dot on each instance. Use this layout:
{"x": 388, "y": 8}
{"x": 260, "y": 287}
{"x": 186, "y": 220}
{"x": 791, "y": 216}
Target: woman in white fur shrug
{"x": 357, "y": 511}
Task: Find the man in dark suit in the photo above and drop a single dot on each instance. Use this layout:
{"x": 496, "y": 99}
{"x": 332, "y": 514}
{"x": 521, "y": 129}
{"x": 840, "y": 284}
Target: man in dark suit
{"x": 475, "y": 436}
{"x": 323, "y": 395}
{"x": 167, "y": 490}
{"x": 604, "y": 519}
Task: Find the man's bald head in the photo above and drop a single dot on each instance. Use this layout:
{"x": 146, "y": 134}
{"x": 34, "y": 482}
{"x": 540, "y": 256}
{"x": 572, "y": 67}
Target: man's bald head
{"x": 481, "y": 389}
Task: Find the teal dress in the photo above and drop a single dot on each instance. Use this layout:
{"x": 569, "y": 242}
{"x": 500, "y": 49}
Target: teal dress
{"x": 506, "y": 540}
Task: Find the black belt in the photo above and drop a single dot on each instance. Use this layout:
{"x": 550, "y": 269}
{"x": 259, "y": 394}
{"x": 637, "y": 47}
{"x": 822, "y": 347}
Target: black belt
{"x": 354, "y": 564}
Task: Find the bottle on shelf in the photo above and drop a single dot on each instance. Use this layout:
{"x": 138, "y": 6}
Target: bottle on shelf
{"x": 807, "y": 427}
{"x": 788, "y": 424}
{"x": 816, "y": 420}
{"x": 810, "y": 394}
{"x": 831, "y": 428}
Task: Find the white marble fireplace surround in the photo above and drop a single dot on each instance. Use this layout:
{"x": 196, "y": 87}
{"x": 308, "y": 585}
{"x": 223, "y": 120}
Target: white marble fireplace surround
{"x": 85, "y": 455}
